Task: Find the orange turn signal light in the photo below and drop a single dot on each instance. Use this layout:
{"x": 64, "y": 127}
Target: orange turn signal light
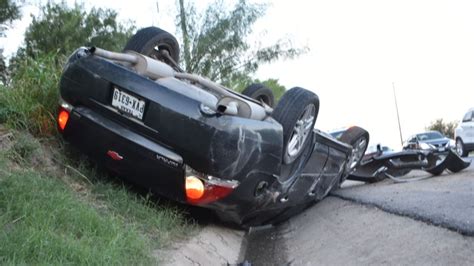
{"x": 63, "y": 117}
{"x": 194, "y": 188}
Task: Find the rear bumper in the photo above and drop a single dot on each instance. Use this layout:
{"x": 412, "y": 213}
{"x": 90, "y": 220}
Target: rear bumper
{"x": 143, "y": 162}
{"x": 161, "y": 170}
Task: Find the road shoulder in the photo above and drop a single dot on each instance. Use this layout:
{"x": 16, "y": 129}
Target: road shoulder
{"x": 340, "y": 232}
{"x": 213, "y": 245}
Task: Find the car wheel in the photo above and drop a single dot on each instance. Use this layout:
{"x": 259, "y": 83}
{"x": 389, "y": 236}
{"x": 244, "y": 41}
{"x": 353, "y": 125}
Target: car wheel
{"x": 460, "y": 148}
{"x": 259, "y": 92}
{"x": 152, "y": 42}
{"x": 358, "y": 138}
{"x": 296, "y": 111}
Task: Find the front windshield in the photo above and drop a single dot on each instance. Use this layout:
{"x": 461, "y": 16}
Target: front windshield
{"x": 429, "y": 136}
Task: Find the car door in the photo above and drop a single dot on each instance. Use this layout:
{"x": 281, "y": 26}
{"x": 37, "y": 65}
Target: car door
{"x": 468, "y": 127}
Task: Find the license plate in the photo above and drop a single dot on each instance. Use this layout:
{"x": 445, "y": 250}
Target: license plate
{"x": 128, "y": 104}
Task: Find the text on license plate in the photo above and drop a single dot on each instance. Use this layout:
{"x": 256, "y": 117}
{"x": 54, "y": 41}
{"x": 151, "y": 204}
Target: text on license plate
{"x": 128, "y": 104}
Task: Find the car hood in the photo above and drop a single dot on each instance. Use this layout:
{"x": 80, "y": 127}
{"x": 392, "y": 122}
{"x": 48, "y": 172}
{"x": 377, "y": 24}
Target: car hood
{"x": 436, "y": 142}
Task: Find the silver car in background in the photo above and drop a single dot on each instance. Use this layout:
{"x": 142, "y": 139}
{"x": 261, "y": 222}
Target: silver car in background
{"x": 429, "y": 140}
{"x": 464, "y": 134}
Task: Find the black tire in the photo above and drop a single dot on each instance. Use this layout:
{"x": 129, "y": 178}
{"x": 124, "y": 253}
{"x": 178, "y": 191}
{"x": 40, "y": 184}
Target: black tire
{"x": 149, "y": 41}
{"x": 259, "y": 92}
{"x": 461, "y": 150}
{"x": 358, "y": 138}
{"x": 293, "y": 105}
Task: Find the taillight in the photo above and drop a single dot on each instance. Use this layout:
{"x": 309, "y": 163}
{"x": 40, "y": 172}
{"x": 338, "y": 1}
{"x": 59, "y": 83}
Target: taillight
{"x": 63, "y": 117}
{"x": 194, "y": 188}
{"x": 63, "y": 113}
{"x": 201, "y": 189}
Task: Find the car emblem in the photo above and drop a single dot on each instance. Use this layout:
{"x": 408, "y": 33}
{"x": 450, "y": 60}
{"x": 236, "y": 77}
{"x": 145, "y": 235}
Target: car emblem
{"x": 114, "y": 155}
{"x": 167, "y": 161}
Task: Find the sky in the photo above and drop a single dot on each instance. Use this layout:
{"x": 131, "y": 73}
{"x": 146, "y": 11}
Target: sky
{"x": 359, "y": 51}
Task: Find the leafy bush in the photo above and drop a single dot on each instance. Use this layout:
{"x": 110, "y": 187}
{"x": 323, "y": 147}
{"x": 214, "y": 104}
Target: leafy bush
{"x": 30, "y": 101}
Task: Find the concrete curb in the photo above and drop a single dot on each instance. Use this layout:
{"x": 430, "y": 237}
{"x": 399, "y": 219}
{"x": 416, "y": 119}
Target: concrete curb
{"x": 213, "y": 245}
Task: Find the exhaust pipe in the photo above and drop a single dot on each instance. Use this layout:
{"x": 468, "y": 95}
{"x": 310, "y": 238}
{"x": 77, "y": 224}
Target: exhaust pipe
{"x": 144, "y": 65}
{"x": 132, "y": 59}
{"x": 229, "y": 102}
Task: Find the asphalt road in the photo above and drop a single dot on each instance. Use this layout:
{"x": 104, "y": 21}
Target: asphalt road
{"x": 447, "y": 200}
{"x": 429, "y": 222}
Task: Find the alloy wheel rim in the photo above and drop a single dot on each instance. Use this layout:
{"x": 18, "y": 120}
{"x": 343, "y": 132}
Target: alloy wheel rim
{"x": 301, "y": 130}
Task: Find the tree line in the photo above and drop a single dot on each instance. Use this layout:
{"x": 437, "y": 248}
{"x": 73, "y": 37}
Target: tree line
{"x": 214, "y": 43}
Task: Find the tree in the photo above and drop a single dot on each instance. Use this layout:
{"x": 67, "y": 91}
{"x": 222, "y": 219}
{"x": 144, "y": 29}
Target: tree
{"x": 215, "y": 44}
{"x": 60, "y": 29}
{"x": 3, "y": 69}
{"x": 9, "y": 11}
{"x": 446, "y": 129}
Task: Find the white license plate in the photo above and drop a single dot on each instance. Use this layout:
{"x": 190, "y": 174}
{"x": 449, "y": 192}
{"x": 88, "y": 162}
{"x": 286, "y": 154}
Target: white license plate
{"x": 127, "y": 103}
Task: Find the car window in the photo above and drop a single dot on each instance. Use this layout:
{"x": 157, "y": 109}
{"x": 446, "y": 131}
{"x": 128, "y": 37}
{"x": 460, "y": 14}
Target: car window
{"x": 467, "y": 117}
{"x": 430, "y": 135}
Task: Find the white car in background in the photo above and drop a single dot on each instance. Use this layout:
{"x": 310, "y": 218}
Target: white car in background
{"x": 464, "y": 134}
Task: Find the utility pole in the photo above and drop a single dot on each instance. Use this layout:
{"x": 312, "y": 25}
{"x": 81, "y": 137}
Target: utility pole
{"x": 398, "y": 115}
{"x": 184, "y": 31}
{"x": 157, "y": 15}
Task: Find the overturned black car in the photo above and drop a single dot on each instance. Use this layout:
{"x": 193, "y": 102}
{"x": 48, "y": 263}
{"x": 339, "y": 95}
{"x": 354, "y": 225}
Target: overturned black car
{"x": 194, "y": 141}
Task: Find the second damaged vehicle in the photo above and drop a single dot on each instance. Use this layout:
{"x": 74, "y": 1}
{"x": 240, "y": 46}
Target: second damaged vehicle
{"x": 194, "y": 141}
{"x": 432, "y": 159}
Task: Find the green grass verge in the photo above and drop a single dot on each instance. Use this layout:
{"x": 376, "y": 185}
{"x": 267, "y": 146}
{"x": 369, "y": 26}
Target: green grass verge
{"x": 161, "y": 223}
{"x": 44, "y": 223}
{"x": 62, "y": 219}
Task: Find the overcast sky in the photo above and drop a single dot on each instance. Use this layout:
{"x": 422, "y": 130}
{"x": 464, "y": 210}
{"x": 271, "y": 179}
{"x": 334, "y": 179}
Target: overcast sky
{"x": 357, "y": 50}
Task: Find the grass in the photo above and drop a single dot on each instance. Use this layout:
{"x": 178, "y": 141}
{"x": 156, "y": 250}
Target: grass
{"x": 49, "y": 217}
{"x": 44, "y": 223}
{"x": 162, "y": 223}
